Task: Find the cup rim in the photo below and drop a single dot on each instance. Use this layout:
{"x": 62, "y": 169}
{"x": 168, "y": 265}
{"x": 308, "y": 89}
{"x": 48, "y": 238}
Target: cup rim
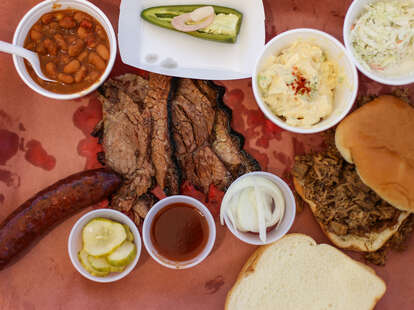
{"x": 77, "y": 229}
{"x": 147, "y": 227}
{"x": 276, "y": 120}
{"x": 396, "y": 81}
{"x": 40, "y": 90}
{"x": 288, "y": 198}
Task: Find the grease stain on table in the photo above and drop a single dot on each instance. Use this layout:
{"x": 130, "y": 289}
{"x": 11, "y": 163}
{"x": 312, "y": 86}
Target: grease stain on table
{"x": 212, "y": 286}
{"x": 38, "y": 156}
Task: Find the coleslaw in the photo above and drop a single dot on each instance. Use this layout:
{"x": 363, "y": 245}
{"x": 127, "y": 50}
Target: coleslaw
{"x": 383, "y": 35}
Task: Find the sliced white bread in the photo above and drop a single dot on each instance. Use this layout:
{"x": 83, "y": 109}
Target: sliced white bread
{"x": 369, "y": 243}
{"x": 296, "y": 273}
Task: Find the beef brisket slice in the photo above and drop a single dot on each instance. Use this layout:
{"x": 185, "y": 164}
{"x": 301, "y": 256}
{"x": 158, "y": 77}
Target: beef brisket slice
{"x": 157, "y": 101}
{"x": 142, "y": 206}
{"x": 226, "y": 143}
{"x": 203, "y": 168}
{"x": 201, "y": 130}
{"x": 126, "y": 142}
{"x": 227, "y": 146}
{"x": 193, "y": 117}
{"x": 133, "y": 85}
{"x": 126, "y": 138}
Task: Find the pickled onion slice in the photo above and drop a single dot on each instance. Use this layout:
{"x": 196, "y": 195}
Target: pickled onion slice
{"x": 198, "y": 19}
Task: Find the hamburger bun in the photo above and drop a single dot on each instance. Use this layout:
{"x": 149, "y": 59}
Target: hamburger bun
{"x": 297, "y": 273}
{"x": 379, "y": 139}
{"x": 370, "y": 243}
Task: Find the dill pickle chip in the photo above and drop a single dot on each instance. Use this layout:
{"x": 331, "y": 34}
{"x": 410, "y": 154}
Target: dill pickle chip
{"x": 123, "y": 255}
{"x": 102, "y": 236}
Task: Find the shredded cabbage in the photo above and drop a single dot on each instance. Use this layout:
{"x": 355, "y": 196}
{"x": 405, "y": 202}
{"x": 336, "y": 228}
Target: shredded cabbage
{"x": 383, "y": 35}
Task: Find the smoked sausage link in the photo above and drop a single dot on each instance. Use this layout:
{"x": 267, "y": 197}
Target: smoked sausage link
{"x": 51, "y": 206}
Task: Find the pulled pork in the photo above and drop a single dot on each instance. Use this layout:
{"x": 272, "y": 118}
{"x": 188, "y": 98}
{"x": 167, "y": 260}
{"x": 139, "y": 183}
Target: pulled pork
{"x": 344, "y": 205}
{"x": 397, "y": 242}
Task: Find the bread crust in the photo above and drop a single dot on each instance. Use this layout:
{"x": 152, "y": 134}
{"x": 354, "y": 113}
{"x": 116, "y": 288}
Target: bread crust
{"x": 250, "y": 263}
{"x": 356, "y": 243}
{"x": 253, "y": 260}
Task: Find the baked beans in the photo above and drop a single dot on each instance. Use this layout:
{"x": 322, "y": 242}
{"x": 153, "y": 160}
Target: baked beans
{"x": 73, "y": 49}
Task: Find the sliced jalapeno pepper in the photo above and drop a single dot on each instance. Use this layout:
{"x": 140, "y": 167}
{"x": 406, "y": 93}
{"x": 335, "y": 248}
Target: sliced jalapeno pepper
{"x": 162, "y": 16}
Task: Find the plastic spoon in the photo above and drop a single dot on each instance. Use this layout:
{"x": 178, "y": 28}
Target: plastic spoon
{"x": 30, "y": 56}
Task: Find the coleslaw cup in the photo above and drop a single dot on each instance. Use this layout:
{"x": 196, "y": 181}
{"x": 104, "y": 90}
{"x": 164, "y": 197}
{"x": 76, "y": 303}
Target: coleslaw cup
{"x": 354, "y": 11}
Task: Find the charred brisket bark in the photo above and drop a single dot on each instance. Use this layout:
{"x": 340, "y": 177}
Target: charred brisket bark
{"x": 227, "y": 143}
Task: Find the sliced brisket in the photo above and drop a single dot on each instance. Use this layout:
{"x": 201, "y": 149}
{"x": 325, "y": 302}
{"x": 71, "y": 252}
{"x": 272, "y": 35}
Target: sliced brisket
{"x": 142, "y": 206}
{"x": 203, "y": 168}
{"x": 150, "y": 127}
{"x": 126, "y": 138}
{"x": 193, "y": 116}
{"x": 225, "y": 142}
{"x": 163, "y": 158}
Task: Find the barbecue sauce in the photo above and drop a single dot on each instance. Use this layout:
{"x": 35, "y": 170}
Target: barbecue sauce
{"x": 179, "y": 232}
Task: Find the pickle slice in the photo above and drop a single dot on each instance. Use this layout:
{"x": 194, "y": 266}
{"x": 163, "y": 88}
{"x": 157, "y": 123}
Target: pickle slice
{"x": 83, "y": 258}
{"x": 100, "y": 264}
{"x": 101, "y": 236}
{"x": 130, "y": 236}
{"x": 123, "y": 255}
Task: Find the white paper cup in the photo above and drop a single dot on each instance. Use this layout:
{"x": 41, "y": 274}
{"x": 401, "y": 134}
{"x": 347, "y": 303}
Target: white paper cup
{"x": 146, "y": 232}
{"x": 354, "y": 12}
{"x": 345, "y": 93}
{"x": 34, "y": 15}
{"x": 75, "y": 243}
{"x": 284, "y": 224}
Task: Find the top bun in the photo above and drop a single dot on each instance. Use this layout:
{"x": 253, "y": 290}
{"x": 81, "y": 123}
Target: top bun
{"x": 379, "y": 139}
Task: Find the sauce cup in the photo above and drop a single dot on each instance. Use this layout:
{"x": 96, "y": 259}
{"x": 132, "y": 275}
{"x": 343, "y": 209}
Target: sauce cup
{"x": 75, "y": 243}
{"x": 33, "y": 15}
{"x": 149, "y": 219}
{"x": 282, "y": 227}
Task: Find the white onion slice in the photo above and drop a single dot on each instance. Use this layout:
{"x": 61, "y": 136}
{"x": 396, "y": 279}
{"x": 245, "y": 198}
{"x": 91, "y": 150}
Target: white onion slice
{"x": 248, "y": 205}
{"x": 260, "y": 214}
{"x": 246, "y": 211}
{"x": 201, "y": 19}
{"x": 199, "y": 14}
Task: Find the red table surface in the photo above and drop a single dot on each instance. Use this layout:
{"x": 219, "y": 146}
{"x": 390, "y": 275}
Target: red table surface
{"x": 43, "y": 140}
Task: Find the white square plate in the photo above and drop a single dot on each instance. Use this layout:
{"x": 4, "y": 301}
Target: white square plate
{"x": 163, "y": 51}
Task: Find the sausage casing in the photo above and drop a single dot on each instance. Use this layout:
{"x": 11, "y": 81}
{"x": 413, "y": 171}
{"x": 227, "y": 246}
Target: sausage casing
{"x": 51, "y": 206}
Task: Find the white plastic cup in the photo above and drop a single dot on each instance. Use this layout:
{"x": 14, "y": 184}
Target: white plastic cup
{"x": 75, "y": 243}
{"x": 284, "y": 224}
{"x": 354, "y": 12}
{"x": 34, "y": 14}
{"x": 146, "y": 232}
{"x": 345, "y": 92}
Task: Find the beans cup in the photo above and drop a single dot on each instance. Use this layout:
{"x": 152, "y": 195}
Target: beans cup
{"x": 76, "y": 45}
